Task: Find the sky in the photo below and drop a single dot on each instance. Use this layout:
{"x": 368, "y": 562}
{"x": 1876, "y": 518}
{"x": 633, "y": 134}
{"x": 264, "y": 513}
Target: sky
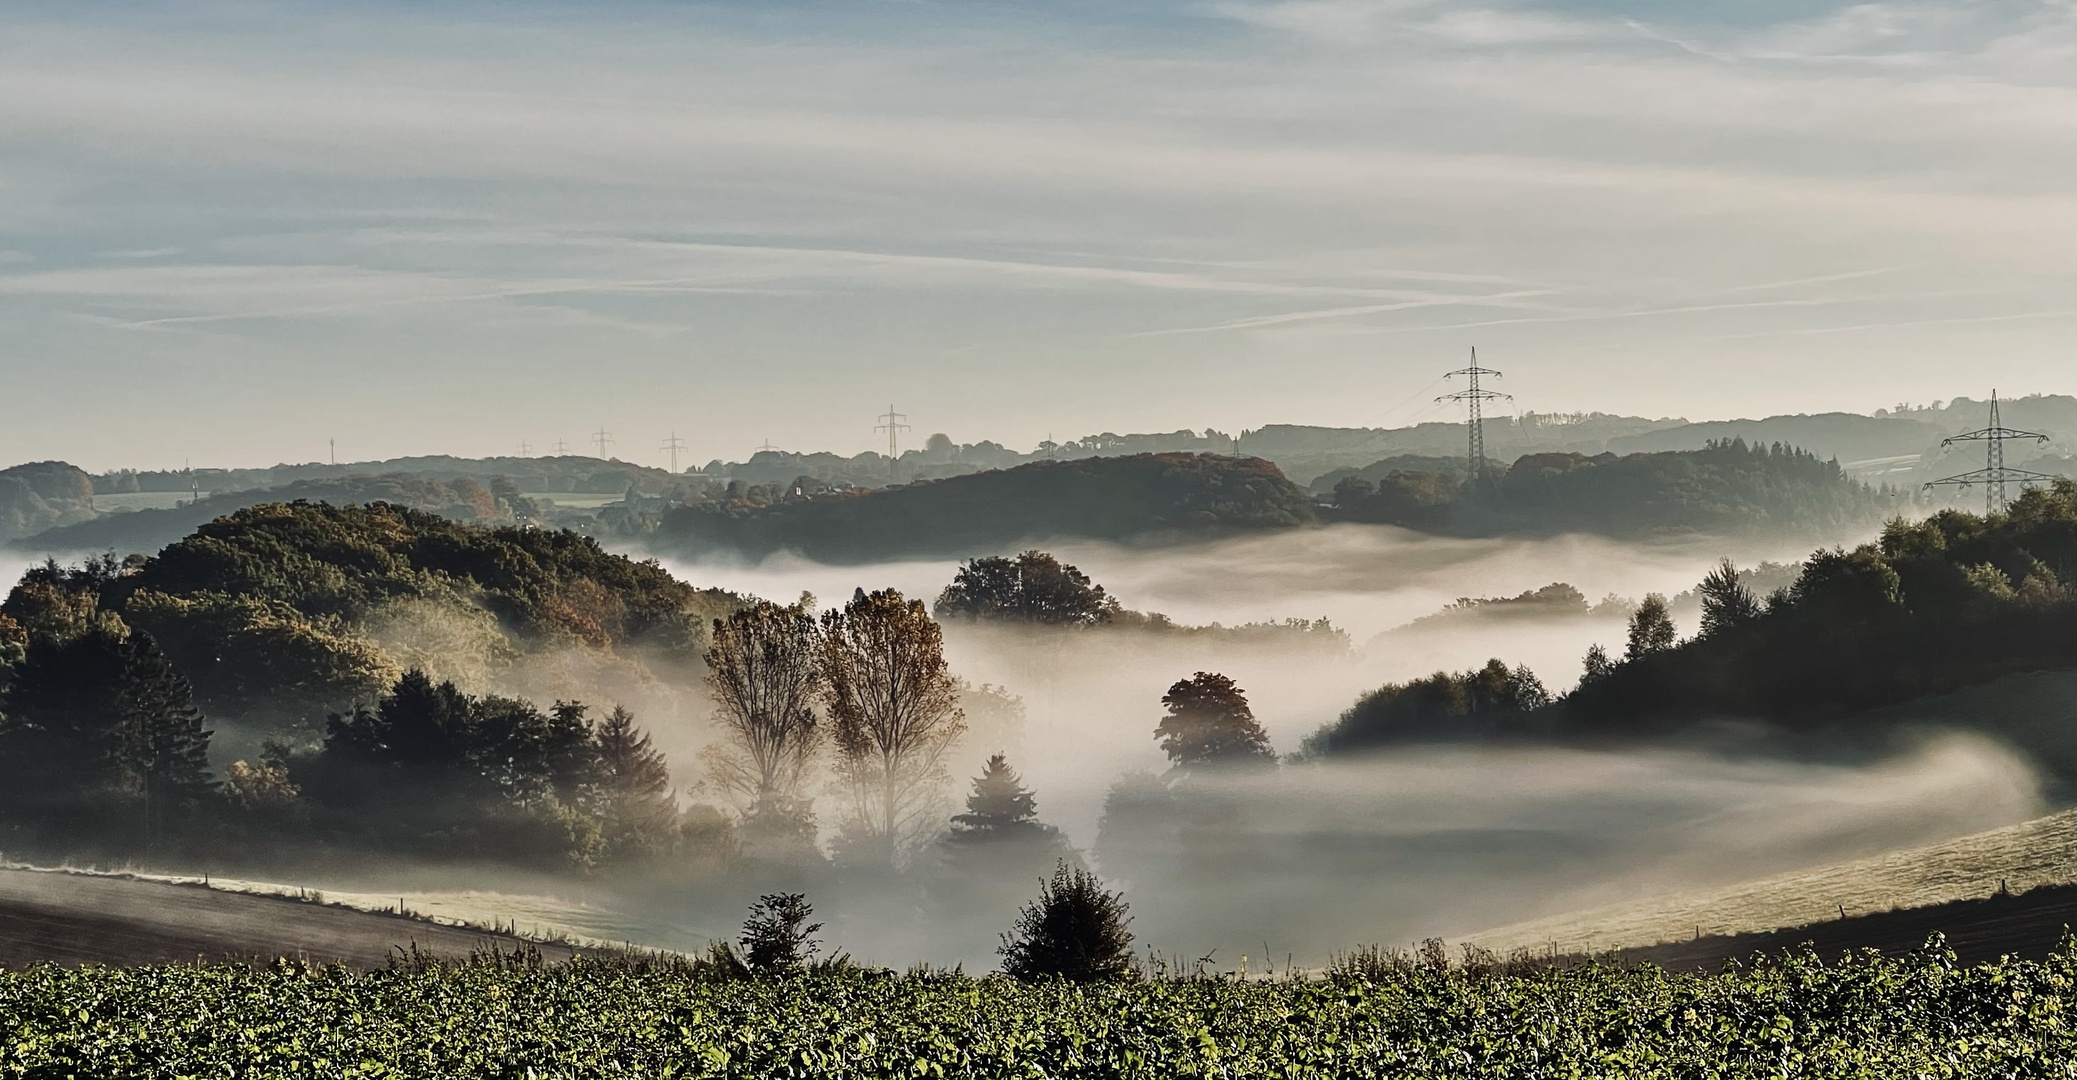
{"x": 231, "y": 232}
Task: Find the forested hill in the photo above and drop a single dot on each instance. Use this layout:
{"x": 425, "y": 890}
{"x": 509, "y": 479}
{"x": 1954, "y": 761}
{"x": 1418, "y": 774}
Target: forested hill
{"x": 147, "y": 531}
{"x": 1726, "y": 489}
{"x": 299, "y": 609}
{"x": 1952, "y": 603}
{"x": 1116, "y": 498}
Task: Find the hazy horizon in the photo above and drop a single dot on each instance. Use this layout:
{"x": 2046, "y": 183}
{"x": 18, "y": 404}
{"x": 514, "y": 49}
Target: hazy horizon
{"x": 240, "y": 230}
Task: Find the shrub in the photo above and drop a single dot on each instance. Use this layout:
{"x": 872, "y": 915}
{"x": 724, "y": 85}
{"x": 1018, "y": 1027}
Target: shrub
{"x": 1075, "y": 930}
{"x": 778, "y": 936}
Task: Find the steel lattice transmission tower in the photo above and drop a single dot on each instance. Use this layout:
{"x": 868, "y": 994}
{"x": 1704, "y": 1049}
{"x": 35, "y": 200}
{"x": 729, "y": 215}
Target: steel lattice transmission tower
{"x": 602, "y": 439}
{"x": 893, "y": 427}
{"x": 1474, "y": 398}
{"x": 1994, "y": 475}
{"x": 674, "y": 444}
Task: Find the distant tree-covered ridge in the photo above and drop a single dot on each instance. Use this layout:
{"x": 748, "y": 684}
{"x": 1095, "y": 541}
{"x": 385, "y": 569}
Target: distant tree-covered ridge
{"x": 146, "y": 531}
{"x": 283, "y": 608}
{"x": 1116, "y": 498}
{"x": 1951, "y": 601}
{"x": 1726, "y": 488}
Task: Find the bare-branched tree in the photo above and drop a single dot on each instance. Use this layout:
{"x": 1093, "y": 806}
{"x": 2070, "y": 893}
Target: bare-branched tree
{"x": 764, "y": 666}
{"x": 894, "y": 707}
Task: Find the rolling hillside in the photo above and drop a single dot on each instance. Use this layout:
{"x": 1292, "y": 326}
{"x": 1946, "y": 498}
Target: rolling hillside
{"x": 2016, "y": 858}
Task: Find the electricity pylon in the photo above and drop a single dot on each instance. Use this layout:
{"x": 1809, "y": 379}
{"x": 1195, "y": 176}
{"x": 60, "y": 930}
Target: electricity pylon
{"x": 1994, "y": 475}
{"x": 673, "y": 444}
{"x": 1474, "y": 400}
{"x": 602, "y": 439}
{"x": 893, "y": 427}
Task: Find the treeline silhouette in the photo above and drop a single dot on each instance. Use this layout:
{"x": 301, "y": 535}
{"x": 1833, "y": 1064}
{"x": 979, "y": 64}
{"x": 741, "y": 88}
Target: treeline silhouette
{"x": 1954, "y": 600}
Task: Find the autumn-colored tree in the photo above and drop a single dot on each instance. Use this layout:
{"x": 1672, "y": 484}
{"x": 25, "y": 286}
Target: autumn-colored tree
{"x": 894, "y": 707}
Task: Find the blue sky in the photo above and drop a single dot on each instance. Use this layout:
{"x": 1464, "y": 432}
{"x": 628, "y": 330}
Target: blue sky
{"x": 231, "y": 231}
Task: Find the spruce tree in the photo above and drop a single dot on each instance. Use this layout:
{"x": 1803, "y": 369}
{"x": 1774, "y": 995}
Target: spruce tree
{"x": 634, "y": 785}
{"x": 165, "y": 748}
{"x": 1000, "y": 806}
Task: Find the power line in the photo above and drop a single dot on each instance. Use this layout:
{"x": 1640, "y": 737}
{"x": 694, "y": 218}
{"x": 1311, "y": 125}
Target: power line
{"x": 1474, "y": 399}
{"x": 673, "y": 444}
{"x": 1994, "y": 475}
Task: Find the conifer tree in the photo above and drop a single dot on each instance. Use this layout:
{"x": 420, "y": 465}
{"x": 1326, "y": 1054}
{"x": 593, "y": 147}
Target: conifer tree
{"x": 165, "y": 748}
{"x": 634, "y": 785}
{"x": 1000, "y": 806}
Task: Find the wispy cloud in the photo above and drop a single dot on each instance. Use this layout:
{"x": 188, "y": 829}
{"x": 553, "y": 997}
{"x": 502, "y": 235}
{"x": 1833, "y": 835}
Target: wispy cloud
{"x": 871, "y": 202}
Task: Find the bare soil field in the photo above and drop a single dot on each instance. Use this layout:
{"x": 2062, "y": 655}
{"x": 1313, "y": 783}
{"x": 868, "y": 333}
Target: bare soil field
{"x": 70, "y": 918}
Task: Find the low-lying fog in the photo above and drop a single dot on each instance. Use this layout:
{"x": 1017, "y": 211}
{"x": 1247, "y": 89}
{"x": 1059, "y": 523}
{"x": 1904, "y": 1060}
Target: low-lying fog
{"x": 1424, "y": 841}
{"x": 1312, "y": 858}
{"x": 1092, "y": 702}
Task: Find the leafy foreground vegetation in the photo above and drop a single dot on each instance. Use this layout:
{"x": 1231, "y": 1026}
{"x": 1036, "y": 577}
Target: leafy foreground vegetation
{"x": 1921, "y": 1016}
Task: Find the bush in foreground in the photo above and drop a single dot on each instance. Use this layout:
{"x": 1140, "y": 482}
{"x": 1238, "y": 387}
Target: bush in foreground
{"x": 1075, "y": 930}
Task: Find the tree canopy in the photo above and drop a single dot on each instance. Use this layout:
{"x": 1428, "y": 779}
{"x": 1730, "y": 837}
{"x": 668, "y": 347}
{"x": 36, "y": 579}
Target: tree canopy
{"x": 1035, "y": 587}
{"x": 1209, "y": 723}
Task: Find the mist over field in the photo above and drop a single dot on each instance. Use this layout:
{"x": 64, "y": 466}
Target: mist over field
{"x": 1415, "y": 841}
{"x": 1097, "y": 698}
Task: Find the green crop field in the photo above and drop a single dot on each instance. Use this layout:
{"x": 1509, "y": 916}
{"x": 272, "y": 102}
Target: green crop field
{"x": 1921, "y": 1016}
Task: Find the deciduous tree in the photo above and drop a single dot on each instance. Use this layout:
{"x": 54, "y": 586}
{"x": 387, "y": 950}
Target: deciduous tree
{"x": 894, "y": 707}
{"x": 1209, "y": 722}
{"x": 1651, "y": 628}
{"x": 1032, "y": 588}
{"x": 765, "y": 667}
